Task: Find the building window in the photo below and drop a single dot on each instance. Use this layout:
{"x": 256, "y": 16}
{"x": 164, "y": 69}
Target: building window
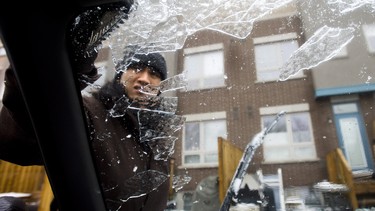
{"x": 369, "y": 32}
{"x": 204, "y": 67}
{"x": 271, "y": 53}
{"x": 201, "y": 133}
{"x": 291, "y": 139}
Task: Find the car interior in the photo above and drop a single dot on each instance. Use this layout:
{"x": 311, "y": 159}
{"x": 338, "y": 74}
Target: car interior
{"x": 39, "y": 46}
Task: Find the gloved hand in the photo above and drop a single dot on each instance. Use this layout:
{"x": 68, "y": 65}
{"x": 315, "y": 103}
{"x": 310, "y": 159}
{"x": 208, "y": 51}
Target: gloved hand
{"x": 87, "y": 32}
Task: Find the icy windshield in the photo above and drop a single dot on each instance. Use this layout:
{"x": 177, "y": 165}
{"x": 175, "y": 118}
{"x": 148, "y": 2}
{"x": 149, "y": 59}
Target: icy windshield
{"x": 227, "y": 70}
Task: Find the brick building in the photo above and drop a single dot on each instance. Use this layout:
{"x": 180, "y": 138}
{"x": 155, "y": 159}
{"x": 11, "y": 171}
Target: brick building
{"x": 234, "y": 90}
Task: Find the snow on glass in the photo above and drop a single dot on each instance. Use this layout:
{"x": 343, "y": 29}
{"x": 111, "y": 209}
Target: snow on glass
{"x": 143, "y": 186}
{"x": 164, "y": 25}
{"x": 346, "y": 6}
{"x": 326, "y": 43}
{"x": 158, "y": 128}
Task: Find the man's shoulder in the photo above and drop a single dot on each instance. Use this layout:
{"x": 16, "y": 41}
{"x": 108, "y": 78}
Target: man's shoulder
{"x": 90, "y": 102}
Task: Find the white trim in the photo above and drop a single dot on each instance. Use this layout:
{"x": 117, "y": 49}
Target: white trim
{"x": 275, "y": 38}
{"x": 206, "y": 116}
{"x": 204, "y": 58}
{"x": 268, "y": 65}
{"x": 289, "y": 145}
{"x": 368, "y": 31}
{"x": 291, "y": 161}
{"x": 198, "y": 166}
{"x": 286, "y": 108}
{"x": 204, "y": 48}
{"x": 201, "y": 118}
{"x": 292, "y": 78}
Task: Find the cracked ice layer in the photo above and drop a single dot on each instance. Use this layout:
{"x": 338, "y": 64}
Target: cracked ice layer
{"x": 170, "y": 84}
{"x": 179, "y": 181}
{"x": 139, "y": 185}
{"x": 155, "y": 103}
{"x": 322, "y": 46}
{"x": 164, "y": 25}
{"x": 346, "y": 6}
{"x": 162, "y": 148}
{"x": 154, "y": 124}
{"x": 151, "y": 101}
{"x": 174, "y": 83}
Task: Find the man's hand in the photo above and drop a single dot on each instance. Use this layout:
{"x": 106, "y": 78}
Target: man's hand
{"x": 87, "y": 32}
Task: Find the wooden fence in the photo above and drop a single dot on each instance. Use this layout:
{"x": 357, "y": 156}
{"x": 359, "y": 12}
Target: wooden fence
{"x": 26, "y": 179}
{"x": 229, "y": 157}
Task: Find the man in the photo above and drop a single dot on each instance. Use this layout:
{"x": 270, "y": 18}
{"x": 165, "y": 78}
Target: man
{"x": 130, "y": 176}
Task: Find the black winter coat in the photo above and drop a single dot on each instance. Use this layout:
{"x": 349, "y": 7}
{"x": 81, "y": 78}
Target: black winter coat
{"x": 127, "y": 168}
{"x": 130, "y": 177}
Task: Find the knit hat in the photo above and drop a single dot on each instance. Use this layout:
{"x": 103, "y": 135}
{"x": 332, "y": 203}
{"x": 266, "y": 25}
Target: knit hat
{"x": 154, "y": 60}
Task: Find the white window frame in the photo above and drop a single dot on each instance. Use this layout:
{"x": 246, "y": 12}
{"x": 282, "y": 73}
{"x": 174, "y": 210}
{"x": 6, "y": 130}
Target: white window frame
{"x": 343, "y": 53}
{"x": 269, "y": 40}
{"x": 289, "y": 109}
{"x": 202, "y": 118}
{"x": 201, "y": 79}
{"x": 369, "y": 33}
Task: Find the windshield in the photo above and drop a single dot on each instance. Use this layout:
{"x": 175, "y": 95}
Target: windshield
{"x": 252, "y": 104}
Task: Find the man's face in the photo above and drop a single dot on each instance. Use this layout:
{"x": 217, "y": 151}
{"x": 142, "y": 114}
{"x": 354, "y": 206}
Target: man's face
{"x": 135, "y": 78}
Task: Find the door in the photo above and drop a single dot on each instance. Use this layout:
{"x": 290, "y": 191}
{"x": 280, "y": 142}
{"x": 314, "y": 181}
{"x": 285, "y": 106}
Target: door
{"x": 352, "y": 135}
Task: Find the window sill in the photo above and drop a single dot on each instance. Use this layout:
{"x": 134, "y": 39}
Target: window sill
{"x": 291, "y": 161}
{"x": 205, "y": 88}
{"x": 198, "y": 166}
{"x": 277, "y": 80}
